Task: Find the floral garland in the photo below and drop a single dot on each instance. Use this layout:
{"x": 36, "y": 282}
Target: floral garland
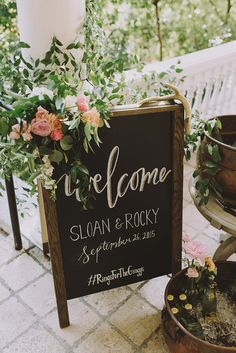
{"x": 51, "y": 109}
{"x": 49, "y": 133}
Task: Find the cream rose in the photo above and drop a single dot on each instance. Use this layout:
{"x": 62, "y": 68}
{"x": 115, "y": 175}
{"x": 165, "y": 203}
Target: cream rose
{"x": 91, "y": 116}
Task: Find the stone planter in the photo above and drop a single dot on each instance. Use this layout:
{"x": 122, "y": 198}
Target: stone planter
{"x": 178, "y": 339}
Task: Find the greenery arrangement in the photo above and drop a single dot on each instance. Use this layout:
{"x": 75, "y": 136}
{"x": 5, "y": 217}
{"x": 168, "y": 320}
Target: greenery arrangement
{"x": 201, "y": 302}
{"x": 51, "y": 109}
{"x": 204, "y": 173}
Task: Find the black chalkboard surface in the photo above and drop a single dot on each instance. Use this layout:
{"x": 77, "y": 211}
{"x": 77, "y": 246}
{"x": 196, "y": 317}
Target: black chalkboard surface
{"x": 133, "y": 232}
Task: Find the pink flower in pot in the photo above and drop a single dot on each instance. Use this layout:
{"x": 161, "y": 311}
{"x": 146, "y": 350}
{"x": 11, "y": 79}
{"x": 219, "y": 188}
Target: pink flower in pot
{"x": 195, "y": 250}
{"x": 192, "y": 272}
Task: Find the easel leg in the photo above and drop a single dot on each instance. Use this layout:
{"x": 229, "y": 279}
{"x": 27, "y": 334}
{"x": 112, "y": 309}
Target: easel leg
{"x": 13, "y": 212}
{"x": 56, "y": 258}
{"x": 43, "y": 222}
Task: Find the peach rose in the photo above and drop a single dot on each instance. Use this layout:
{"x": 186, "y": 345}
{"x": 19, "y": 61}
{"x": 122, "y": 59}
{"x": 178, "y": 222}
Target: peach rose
{"x": 82, "y": 104}
{"x": 56, "y": 135}
{"x": 54, "y": 122}
{"x": 92, "y": 116}
{"x": 15, "y": 132}
{"x": 20, "y": 130}
{"x": 14, "y": 135}
{"x": 41, "y": 113}
{"x": 27, "y": 136}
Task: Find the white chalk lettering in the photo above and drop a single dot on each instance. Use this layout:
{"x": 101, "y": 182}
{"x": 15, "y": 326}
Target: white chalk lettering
{"x": 135, "y": 182}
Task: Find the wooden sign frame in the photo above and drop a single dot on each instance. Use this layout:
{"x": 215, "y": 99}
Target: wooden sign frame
{"x": 176, "y": 214}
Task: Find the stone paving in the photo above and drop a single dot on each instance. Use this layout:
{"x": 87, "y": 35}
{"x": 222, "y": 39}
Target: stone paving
{"x": 123, "y": 320}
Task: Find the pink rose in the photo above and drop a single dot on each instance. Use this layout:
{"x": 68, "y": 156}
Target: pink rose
{"x": 41, "y": 127}
{"x": 192, "y": 272}
{"x": 82, "y": 104}
{"x": 56, "y": 135}
{"x": 92, "y": 116}
{"x": 195, "y": 249}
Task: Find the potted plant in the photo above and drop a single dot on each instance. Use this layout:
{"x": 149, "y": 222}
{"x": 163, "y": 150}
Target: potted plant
{"x": 200, "y": 304}
{"x": 216, "y": 157}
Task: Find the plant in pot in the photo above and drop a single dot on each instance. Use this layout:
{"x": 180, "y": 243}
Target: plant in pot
{"x": 199, "y": 313}
{"x": 216, "y": 157}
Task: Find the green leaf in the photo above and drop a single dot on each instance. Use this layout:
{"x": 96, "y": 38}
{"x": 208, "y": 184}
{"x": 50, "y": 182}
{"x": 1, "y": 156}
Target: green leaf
{"x": 211, "y": 171}
{"x": 23, "y": 45}
{"x": 73, "y": 46}
{"x": 31, "y": 164}
{"x": 83, "y": 169}
{"x": 58, "y": 42}
{"x": 66, "y": 143}
{"x": 43, "y": 150}
{"x": 75, "y": 124}
{"x": 56, "y": 156}
{"x": 3, "y": 127}
{"x": 216, "y": 153}
{"x": 113, "y": 96}
{"x": 178, "y": 70}
{"x": 162, "y": 74}
{"x": 58, "y": 103}
{"x": 108, "y": 65}
{"x": 85, "y": 145}
{"x": 210, "y": 164}
{"x": 26, "y": 73}
{"x": 196, "y": 173}
{"x": 209, "y": 149}
{"x": 106, "y": 123}
{"x": 74, "y": 173}
{"x": 87, "y": 131}
{"x": 33, "y": 176}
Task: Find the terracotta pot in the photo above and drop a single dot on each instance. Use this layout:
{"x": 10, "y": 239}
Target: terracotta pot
{"x": 178, "y": 339}
{"x": 226, "y": 177}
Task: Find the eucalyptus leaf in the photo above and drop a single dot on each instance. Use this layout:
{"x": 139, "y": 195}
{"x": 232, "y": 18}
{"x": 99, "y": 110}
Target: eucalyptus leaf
{"x": 56, "y": 156}
{"x": 83, "y": 169}
{"x": 87, "y": 131}
{"x": 66, "y": 143}
{"x": 75, "y": 124}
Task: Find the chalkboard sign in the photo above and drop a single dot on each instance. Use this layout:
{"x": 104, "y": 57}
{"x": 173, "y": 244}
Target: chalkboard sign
{"x": 133, "y": 232}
